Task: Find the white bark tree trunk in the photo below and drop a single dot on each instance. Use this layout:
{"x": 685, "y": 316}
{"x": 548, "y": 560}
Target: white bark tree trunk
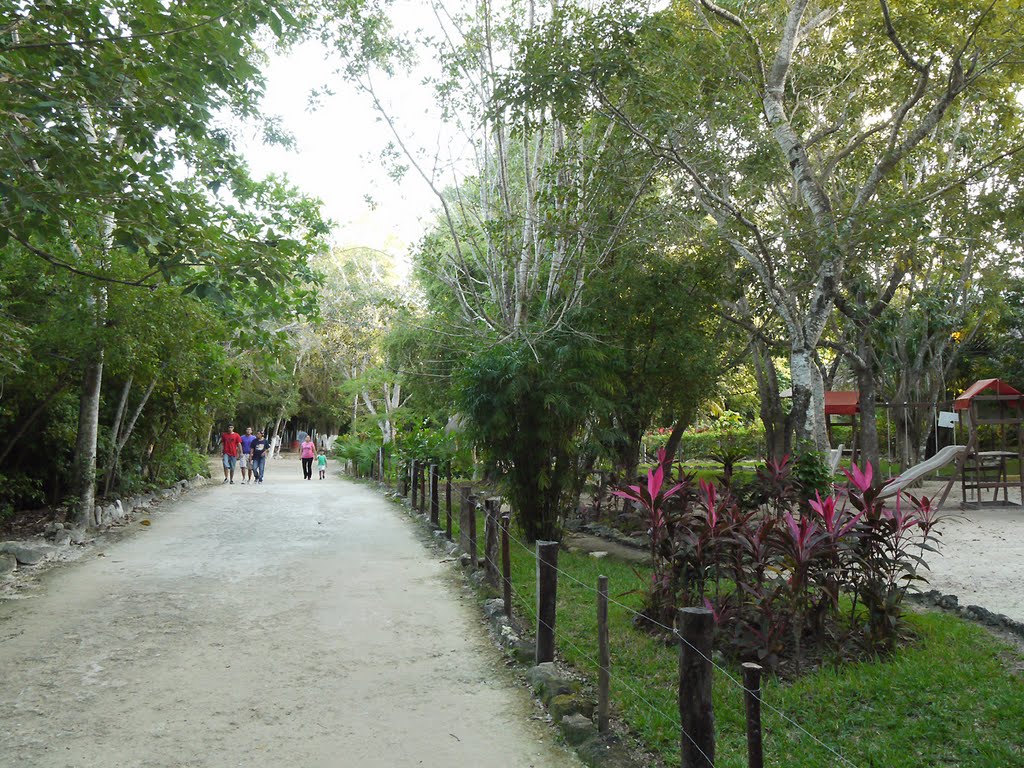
{"x": 84, "y": 474}
{"x": 808, "y": 397}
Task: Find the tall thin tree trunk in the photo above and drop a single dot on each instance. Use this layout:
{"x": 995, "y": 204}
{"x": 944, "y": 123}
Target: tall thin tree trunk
{"x": 776, "y": 422}
{"x": 121, "y": 440}
{"x": 868, "y": 442}
{"x": 115, "y": 433}
{"x": 808, "y": 412}
{"x": 84, "y": 479}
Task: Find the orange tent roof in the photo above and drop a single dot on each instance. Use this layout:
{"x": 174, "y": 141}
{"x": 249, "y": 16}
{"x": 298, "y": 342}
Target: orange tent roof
{"x": 842, "y": 403}
{"x": 998, "y": 387}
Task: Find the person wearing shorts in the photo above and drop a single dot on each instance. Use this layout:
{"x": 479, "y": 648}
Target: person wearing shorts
{"x": 245, "y": 458}
{"x": 231, "y": 445}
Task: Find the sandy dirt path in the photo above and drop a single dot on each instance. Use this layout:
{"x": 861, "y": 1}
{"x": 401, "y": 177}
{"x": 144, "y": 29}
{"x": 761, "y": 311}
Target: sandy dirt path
{"x": 981, "y": 554}
{"x": 296, "y": 623}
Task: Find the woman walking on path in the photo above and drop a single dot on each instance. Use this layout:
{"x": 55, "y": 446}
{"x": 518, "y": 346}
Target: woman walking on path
{"x": 308, "y": 453}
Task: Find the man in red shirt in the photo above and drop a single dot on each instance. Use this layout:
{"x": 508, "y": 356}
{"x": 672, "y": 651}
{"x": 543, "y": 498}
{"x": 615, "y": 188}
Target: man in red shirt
{"x": 231, "y": 445}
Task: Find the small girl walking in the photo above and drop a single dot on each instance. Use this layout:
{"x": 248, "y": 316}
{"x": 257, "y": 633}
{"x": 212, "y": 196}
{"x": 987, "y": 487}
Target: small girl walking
{"x": 321, "y": 463}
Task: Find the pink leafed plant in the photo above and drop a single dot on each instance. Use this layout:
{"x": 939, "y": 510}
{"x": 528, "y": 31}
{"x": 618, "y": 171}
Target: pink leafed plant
{"x": 652, "y": 497}
{"x": 834, "y": 518}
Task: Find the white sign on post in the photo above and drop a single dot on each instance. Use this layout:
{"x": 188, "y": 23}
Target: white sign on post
{"x": 948, "y": 419}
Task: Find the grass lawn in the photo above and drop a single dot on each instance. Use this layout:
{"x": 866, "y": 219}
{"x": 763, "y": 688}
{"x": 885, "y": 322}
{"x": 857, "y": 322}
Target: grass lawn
{"x": 949, "y": 700}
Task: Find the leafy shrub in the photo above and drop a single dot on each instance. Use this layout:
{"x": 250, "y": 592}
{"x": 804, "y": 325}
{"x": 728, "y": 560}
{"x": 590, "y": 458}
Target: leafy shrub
{"x": 431, "y": 445}
{"x": 727, "y": 444}
{"x": 17, "y": 491}
{"x": 177, "y": 461}
{"x": 780, "y": 570}
{"x": 526, "y": 405}
{"x": 359, "y": 450}
{"x": 811, "y": 471}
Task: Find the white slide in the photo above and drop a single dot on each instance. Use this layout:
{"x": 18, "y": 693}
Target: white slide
{"x": 916, "y": 472}
{"x": 835, "y": 455}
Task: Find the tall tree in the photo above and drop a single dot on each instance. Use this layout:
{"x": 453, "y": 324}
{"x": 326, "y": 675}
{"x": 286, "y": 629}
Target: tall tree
{"x": 104, "y": 105}
{"x": 793, "y": 127}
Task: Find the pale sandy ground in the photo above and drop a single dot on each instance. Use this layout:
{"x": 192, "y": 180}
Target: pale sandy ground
{"x": 981, "y": 556}
{"x": 297, "y": 623}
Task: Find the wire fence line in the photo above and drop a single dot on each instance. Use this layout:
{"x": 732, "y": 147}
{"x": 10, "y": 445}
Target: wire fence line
{"x": 562, "y": 638}
{"x": 675, "y": 633}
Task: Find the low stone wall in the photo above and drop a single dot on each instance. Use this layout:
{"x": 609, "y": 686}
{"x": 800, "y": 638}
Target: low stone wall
{"x": 975, "y": 613}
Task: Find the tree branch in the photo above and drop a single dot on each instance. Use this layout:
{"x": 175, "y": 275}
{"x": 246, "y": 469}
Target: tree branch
{"x": 736, "y": 21}
{"x": 118, "y": 38}
{"x": 890, "y": 32}
{"x": 51, "y": 259}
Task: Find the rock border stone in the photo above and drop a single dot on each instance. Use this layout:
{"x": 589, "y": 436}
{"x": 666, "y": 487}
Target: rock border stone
{"x": 57, "y": 537}
{"x": 639, "y": 540}
{"x": 974, "y": 613}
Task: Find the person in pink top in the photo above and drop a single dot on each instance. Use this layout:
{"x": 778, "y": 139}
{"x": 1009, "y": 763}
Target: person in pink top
{"x": 307, "y": 451}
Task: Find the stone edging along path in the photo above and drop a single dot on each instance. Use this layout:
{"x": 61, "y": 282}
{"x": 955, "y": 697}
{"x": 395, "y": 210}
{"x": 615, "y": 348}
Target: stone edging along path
{"x": 977, "y": 614}
{"x": 22, "y": 559}
{"x": 569, "y": 705}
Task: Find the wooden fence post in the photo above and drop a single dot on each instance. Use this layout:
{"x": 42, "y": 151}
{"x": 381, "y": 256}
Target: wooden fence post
{"x": 434, "y": 502}
{"x": 604, "y": 660}
{"x": 413, "y": 471}
{"x": 506, "y": 565}
{"x": 696, "y": 712}
{"x": 474, "y": 561}
{"x": 492, "y": 507}
{"x": 405, "y": 480}
{"x": 752, "y": 688}
{"x": 547, "y": 591}
{"x": 423, "y": 489}
{"x": 467, "y": 525}
{"x": 448, "y": 501}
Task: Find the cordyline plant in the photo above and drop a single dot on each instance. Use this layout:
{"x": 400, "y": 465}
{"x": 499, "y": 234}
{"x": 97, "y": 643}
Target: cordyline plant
{"x": 777, "y": 567}
{"x": 889, "y": 554}
{"x": 651, "y": 498}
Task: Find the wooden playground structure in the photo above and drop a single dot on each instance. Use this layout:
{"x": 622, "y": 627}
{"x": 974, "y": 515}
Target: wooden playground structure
{"x": 982, "y": 466}
{"x": 992, "y": 412}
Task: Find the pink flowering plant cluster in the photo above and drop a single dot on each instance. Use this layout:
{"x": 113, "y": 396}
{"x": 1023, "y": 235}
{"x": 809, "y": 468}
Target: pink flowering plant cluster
{"x": 783, "y": 574}
{"x": 651, "y": 499}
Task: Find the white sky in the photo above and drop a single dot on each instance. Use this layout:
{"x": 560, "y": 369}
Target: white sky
{"x": 338, "y": 154}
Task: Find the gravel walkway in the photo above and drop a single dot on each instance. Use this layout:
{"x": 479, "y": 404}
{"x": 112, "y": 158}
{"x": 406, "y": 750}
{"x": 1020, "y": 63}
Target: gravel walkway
{"x": 294, "y": 623}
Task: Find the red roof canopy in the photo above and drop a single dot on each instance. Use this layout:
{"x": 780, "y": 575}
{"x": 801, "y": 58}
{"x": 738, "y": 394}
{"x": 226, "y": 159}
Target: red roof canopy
{"x": 842, "y": 403}
{"x": 998, "y": 387}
